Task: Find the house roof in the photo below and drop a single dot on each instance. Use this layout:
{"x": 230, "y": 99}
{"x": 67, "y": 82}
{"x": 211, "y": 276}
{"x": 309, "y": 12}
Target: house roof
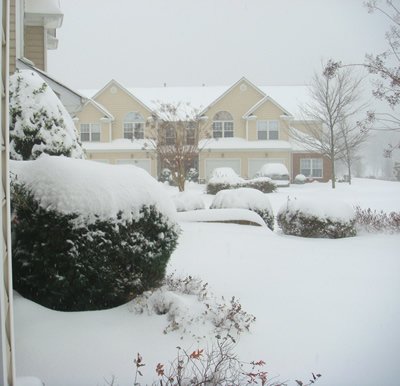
{"x": 119, "y": 85}
{"x": 261, "y": 102}
{"x": 99, "y": 107}
{"x": 288, "y": 98}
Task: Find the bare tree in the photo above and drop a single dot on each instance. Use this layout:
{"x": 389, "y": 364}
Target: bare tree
{"x": 386, "y": 66}
{"x": 175, "y": 131}
{"x": 352, "y": 138}
{"x": 335, "y": 101}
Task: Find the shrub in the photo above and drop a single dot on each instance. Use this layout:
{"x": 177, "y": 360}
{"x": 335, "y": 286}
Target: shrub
{"x": 300, "y": 179}
{"x": 39, "y": 122}
{"x": 374, "y": 221}
{"x": 192, "y": 175}
{"x": 72, "y": 261}
{"x": 263, "y": 184}
{"x": 166, "y": 176}
{"x": 315, "y": 219}
{"x": 245, "y": 198}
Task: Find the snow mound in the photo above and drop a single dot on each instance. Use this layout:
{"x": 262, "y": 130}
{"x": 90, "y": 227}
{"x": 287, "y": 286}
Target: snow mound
{"x": 225, "y": 176}
{"x": 185, "y": 201}
{"x": 30, "y": 95}
{"x": 93, "y": 190}
{"x": 221, "y": 215}
{"x": 300, "y": 179}
{"x": 243, "y": 198}
{"x": 321, "y": 208}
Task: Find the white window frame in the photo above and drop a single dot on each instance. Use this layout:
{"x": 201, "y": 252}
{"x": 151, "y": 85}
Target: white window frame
{"x": 93, "y": 129}
{"x": 227, "y": 127}
{"x": 313, "y": 167}
{"x": 265, "y": 126}
{"x": 134, "y": 130}
{"x": 133, "y": 125}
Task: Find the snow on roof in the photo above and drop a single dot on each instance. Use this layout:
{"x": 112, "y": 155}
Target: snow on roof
{"x": 92, "y": 190}
{"x": 288, "y": 97}
{"x": 51, "y": 7}
{"x": 243, "y": 144}
{"x": 298, "y": 144}
{"x": 118, "y": 144}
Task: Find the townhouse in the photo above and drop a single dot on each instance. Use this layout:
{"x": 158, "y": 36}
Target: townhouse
{"x": 245, "y": 127}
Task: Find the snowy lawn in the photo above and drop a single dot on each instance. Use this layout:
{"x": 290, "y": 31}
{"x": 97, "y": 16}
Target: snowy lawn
{"x": 327, "y": 306}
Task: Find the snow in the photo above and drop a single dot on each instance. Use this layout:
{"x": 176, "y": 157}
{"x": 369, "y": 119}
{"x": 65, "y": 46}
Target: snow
{"x": 271, "y": 169}
{"x": 300, "y": 178}
{"x": 185, "y": 201}
{"x": 221, "y": 215}
{"x": 94, "y": 191}
{"x": 322, "y": 305}
{"x": 26, "y": 94}
{"x": 236, "y": 143}
{"x": 244, "y": 198}
{"x": 225, "y": 175}
{"x": 323, "y": 208}
{"x": 28, "y": 381}
{"x": 119, "y": 144}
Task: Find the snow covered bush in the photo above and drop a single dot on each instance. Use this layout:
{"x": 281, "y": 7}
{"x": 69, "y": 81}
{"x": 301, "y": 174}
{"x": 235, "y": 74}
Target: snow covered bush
{"x": 88, "y": 235}
{"x": 192, "y": 175}
{"x": 373, "y": 221}
{"x": 263, "y": 184}
{"x": 166, "y": 176}
{"x": 300, "y": 179}
{"x": 39, "y": 123}
{"x": 226, "y": 178}
{"x": 245, "y": 198}
{"x": 185, "y": 201}
{"x": 306, "y": 218}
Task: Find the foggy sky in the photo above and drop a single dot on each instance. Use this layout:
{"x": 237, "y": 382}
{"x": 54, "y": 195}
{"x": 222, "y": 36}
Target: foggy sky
{"x": 214, "y": 42}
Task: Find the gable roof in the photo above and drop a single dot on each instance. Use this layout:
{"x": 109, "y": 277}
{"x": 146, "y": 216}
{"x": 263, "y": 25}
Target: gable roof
{"x": 119, "y": 85}
{"x": 99, "y": 107}
{"x": 261, "y": 102}
{"x": 242, "y": 79}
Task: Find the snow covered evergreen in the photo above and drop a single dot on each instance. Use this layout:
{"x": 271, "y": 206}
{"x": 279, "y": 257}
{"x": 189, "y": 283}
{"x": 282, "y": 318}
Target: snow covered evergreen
{"x": 88, "y": 235}
{"x": 39, "y": 123}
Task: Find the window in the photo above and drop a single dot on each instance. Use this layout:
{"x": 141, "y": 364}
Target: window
{"x": 170, "y": 136}
{"x": 190, "y": 136}
{"x": 267, "y": 129}
{"x": 90, "y": 132}
{"x": 134, "y": 126}
{"x": 311, "y": 167}
{"x": 223, "y": 125}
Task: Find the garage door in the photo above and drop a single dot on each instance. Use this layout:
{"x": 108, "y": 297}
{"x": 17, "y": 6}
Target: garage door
{"x": 255, "y": 164}
{"x": 211, "y": 164}
{"x": 141, "y": 163}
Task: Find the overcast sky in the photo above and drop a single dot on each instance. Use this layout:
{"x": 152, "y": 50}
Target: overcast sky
{"x": 214, "y": 42}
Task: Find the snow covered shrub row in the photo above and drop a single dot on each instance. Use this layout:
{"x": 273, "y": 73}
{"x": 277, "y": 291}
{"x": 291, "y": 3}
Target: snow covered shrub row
{"x": 307, "y": 218}
{"x": 185, "y": 201}
{"x": 373, "y": 221}
{"x": 263, "y": 184}
{"x": 245, "y": 198}
{"x": 87, "y": 235}
{"x": 39, "y": 123}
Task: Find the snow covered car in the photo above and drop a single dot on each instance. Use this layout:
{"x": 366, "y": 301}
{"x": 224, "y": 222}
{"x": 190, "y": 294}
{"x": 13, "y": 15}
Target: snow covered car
{"x": 225, "y": 175}
{"x": 277, "y": 172}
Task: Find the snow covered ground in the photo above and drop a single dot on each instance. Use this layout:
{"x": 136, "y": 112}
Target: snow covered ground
{"x": 327, "y": 306}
